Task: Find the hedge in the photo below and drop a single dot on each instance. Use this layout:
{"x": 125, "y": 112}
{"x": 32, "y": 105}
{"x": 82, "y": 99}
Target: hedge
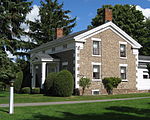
{"x": 63, "y": 85}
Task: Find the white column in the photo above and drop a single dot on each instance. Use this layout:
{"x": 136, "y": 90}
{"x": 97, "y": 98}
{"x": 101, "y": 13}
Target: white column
{"x": 43, "y": 73}
{"x": 11, "y": 101}
{"x": 33, "y": 75}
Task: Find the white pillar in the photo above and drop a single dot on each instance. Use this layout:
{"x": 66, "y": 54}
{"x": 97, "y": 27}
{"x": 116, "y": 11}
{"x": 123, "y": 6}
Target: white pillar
{"x": 33, "y": 75}
{"x": 11, "y": 101}
{"x": 43, "y": 73}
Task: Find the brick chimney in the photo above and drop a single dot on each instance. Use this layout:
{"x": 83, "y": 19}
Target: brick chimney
{"x": 59, "y": 33}
{"x": 107, "y": 15}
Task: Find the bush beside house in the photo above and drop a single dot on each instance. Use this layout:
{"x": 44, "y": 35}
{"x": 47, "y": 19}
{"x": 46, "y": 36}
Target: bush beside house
{"x": 110, "y": 83}
{"x": 26, "y": 90}
{"x": 35, "y": 90}
{"x": 49, "y": 83}
{"x": 59, "y": 84}
{"x": 84, "y": 83}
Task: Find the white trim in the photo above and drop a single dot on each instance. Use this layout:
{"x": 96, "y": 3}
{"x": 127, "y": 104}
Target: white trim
{"x": 96, "y": 63}
{"x": 96, "y": 55}
{"x": 95, "y": 90}
{"x": 123, "y": 65}
{"x": 105, "y": 26}
{"x": 97, "y": 80}
{"x": 124, "y": 80}
{"x": 145, "y": 61}
{"x": 96, "y": 39}
{"x": 123, "y": 43}
{"x": 120, "y": 42}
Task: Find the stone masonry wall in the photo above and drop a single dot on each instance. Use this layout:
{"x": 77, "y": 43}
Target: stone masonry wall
{"x": 109, "y": 59}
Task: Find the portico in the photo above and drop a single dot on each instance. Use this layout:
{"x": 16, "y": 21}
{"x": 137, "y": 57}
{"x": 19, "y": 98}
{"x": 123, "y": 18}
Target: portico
{"x": 41, "y": 65}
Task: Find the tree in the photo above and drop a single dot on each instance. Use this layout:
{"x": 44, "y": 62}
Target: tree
{"x": 52, "y": 16}
{"x": 84, "y": 83}
{"x": 146, "y": 38}
{"x": 12, "y": 15}
{"x": 128, "y": 19}
{"x": 7, "y": 68}
{"x": 110, "y": 83}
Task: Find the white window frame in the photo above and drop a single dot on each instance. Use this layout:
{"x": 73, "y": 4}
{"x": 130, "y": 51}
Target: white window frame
{"x": 95, "y": 90}
{"x": 95, "y": 63}
{"x": 96, "y": 40}
{"x": 123, "y": 65}
{"x": 123, "y": 43}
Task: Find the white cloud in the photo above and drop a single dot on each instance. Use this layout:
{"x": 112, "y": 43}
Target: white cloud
{"x": 34, "y": 14}
{"x": 146, "y": 11}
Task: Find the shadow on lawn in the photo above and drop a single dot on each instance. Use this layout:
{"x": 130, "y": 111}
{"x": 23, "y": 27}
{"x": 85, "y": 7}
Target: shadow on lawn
{"x": 125, "y": 109}
{"x": 2, "y": 110}
{"x": 105, "y": 116}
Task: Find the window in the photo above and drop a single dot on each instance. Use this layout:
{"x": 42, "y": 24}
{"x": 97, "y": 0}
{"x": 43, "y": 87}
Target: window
{"x": 123, "y": 72}
{"x": 64, "y": 65}
{"x": 53, "y": 49}
{"x": 96, "y": 46}
{"x": 122, "y": 50}
{"x": 64, "y": 46}
{"x": 96, "y": 71}
{"x": 95, "y": 92}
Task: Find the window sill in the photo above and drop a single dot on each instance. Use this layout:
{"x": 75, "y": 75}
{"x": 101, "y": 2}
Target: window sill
{"x": 124, "y": 80}
{"x": 96, "y": 80}
{"x": 96, "y": 55}
{"x": 123, "y": 57}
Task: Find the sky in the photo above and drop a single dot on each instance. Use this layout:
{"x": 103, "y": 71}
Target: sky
{"x": 85, "y": 10}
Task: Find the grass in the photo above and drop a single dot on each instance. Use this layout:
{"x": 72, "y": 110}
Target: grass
{"x": 28, "y": 98}
{"x": 117, "y": 110}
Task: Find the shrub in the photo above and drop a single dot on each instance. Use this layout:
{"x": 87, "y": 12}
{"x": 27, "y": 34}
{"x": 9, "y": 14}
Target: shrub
{"x": 48, "y": 85}
{"x": 110, "y": 83}
{"x": 2, "y": 86}
{"x": 84, "y": 83}
{"x": 35, "y": 90}
{"x": 26, "y": 90}
{"x": 63, "y": 85}
{"x": 18, "y": 81}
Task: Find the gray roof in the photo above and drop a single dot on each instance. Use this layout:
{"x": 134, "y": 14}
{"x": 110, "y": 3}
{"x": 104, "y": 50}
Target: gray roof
{"x": 42, "y": 55}
{"x": 142, "y": 57}
{"x": 71, "y": 36}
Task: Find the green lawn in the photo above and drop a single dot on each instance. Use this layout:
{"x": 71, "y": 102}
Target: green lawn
{"x": 117, "y": 110}
{"x": 27, "y": 98}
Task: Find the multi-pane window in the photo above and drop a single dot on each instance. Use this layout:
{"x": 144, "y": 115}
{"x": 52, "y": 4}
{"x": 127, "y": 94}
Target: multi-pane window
{"x": 96, "y": 48}
{"x": 123, "y": 72}
{"x": 96, "y": 71}
{"x": 122, "y": 50}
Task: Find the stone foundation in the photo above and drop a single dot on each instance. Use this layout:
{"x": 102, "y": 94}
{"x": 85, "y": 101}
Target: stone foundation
{"x": 115, "y": 91}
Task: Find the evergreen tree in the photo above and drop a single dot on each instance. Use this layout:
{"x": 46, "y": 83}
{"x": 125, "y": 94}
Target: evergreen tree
{"x": 52, "y": 16}
{"x": 128, "y": 19}
{"x": 12, "y": 15}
